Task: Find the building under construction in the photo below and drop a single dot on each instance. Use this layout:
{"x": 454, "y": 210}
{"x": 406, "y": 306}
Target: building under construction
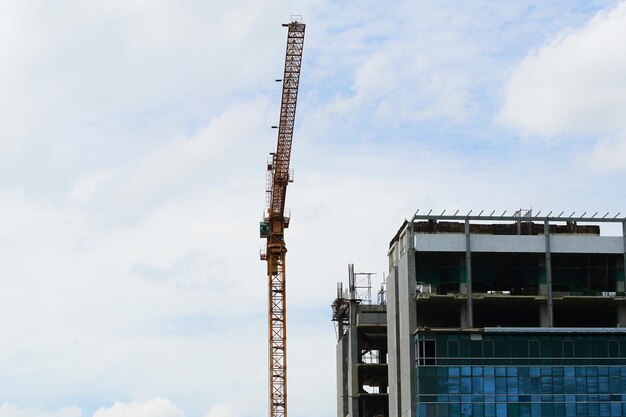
{"x": 361, "y": 348}
{"x": 498, "y": 316}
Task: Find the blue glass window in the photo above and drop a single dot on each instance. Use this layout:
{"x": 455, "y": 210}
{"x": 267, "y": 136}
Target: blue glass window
{"x": 526, "y": 382}
{"x": 466, "y": 385}
{"x": 500, "y": 385}
{"x": 490, "y": 385}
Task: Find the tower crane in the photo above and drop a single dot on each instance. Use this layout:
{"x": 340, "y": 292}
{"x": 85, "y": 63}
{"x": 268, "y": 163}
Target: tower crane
{"x": 275, "y": 221}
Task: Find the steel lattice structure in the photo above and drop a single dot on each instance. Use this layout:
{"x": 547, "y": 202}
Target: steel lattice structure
{"x": 275, "y": 223}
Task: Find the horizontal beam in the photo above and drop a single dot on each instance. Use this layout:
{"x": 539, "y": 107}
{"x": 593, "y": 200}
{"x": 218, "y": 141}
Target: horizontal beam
{"x": 551, "y": 219}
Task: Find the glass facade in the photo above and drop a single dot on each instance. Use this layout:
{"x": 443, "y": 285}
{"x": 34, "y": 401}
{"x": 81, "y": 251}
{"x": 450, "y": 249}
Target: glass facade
{"x": 520, "y": 374}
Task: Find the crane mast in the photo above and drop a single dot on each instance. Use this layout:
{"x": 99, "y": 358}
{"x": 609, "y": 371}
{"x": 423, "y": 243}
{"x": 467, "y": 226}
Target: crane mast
{"x": 275, "y": 222}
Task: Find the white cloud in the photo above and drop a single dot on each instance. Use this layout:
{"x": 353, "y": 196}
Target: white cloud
{"x": 8, "y": 410}
{"x": 223, "y": 410}
{"x": 156, "y": 407}
{"x": 180, "y": 162}
{"x": 609, "y": 155}
{"x": 87, "y": 185}
{"x": 575, "y": 86}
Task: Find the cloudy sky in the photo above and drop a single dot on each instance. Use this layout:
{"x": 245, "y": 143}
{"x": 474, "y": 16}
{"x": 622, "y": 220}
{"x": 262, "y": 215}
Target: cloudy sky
{"x": 133, "y": 142}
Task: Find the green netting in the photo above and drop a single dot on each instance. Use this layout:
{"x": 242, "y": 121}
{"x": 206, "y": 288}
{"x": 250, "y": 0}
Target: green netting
{"x": 586, "y": 280}
{"x": 440, "y": 275}
{"x": 520, "y": 275}
{"x": 574, "y": 280}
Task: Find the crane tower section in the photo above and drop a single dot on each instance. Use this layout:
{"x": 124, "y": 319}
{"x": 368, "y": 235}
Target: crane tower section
{"x": 275, "y": 221}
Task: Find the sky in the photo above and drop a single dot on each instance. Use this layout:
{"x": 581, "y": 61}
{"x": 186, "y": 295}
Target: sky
{"x": 133, "y": 141}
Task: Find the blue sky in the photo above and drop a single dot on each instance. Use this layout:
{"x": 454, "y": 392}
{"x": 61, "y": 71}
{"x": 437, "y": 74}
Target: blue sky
{"x": 132, "y": 158}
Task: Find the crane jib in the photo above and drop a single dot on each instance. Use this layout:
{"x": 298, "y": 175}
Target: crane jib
{"x": 291, "y": 81}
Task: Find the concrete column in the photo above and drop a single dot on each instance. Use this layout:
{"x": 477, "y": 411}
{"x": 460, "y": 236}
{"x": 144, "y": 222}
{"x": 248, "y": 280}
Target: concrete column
{"x": 544, "y": 319}
{"x": 353, "y": 361}
{"x": 342, "y": 377}
{"x": 468, "y": 276}
{"x": 549, "y": 306}
{"x": 620, "y": 286}
{"x": 463, "y": 291}
{"x": 408, "y": 324}
{"x": 624, "y": 260}
{"x": 393, "y": 343}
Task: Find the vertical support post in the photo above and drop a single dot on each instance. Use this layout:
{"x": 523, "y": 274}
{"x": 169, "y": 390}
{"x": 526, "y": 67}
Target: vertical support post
{"x": 546, "y": 233}
{"x": 624, "y": 236}
{"x": 411, "y": 242}
{"x": 620, "y": 284}
{"x": 468, "y": 276}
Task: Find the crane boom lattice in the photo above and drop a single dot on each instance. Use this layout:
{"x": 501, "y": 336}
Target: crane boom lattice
{"x": 275, "y": 222}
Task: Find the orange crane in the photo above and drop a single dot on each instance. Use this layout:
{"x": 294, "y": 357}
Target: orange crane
{"x": 275, "y": 222}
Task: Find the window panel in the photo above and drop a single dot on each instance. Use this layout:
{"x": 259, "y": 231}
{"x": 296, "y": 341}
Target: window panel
{"x": 559, "y": 409}
{"x": 476, "y": 347}
{"x": 547, "y": 410}
{"x": 616, "y": 409}
{"x": 466, "y": 409}
{"x": 546, "y": 348}
{"x": 603, "y": 384}
{"x": 464, "y": 347}
{"x": 488, "y": 349}
{"x": 500, "y": 385}
{"x": 513, "y": 410}
{"x": 478, "y": 409}
{"x": 453, "y": 348}
{"x": 466, "y": 385}
{"x": 523, "y": 382}
{"x": 477, "y": 385}
{"x": 535, "y": 385}
{"x": 502, "y": 349}
{"x": 593, "y": 409}
{"x": 558, "y": 385}
{"x": 501, "y": 410}
{"x": 489, "y": 385}
{"x": 581, "y": 349}
{"x": 524, "y": 410}
{"x": 546, "y": 385}
{"x": 454, "y": 385}
{"x": 511, "y": 385}
{"x": 605, "y": 409}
